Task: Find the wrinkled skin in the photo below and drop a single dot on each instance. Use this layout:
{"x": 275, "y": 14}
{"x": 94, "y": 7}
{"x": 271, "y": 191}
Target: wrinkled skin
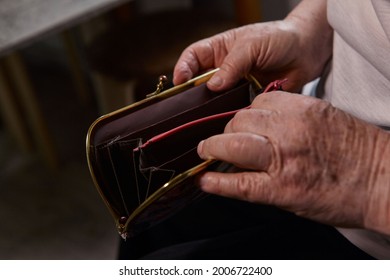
{"x": 300, "y": 153}
{"x": 268, "y": 51}
{"x": 303, "y": 155}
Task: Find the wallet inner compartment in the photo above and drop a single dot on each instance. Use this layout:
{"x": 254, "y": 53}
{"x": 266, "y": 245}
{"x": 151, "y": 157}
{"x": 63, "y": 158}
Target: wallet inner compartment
{"x": 127, "y": 176}
{"x": 173, "y": 111}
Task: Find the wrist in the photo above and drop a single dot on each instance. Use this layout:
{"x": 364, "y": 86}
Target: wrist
{"x": 377, "y": 213}
{"x": 315, "y": 33}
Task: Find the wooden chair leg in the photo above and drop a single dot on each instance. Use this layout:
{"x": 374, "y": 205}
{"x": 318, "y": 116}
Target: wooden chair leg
{"x": 75, "y": 66}
{"x": 11, "y": 116}
{"x": 26, "y": 96}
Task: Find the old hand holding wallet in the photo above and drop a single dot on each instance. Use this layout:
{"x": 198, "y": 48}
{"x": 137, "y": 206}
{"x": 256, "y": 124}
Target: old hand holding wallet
{"x": 143, "y": 157}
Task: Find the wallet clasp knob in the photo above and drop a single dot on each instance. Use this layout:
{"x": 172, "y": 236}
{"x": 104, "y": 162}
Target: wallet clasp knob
{"x": 121, "y": 227}
{"x": 162, "y": 80}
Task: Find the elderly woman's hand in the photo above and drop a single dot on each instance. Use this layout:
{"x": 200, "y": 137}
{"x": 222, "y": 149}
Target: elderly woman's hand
{"x": 301, "y": 154}
{"x": 296, "y": 48}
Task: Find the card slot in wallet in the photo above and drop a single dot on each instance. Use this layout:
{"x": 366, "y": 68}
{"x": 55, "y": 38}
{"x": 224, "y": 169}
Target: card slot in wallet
{"x": 168, "y": 149}
{"x": 159, "y": 175}
{"x": 155, "y": 177}
{"x": 117, "y": 167}
{"x": 106, "y": 175}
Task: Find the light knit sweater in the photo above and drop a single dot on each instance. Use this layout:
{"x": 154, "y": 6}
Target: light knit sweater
{"x": 358, "y": 80}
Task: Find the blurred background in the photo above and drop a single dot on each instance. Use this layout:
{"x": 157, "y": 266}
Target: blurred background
{"x": 62, "y": 65}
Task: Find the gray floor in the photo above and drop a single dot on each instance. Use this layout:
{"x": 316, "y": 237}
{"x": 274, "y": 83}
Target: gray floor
{"x": 53, "y": 214}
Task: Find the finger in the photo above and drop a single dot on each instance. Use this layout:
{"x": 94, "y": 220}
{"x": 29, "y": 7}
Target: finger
{"x": 185, "y": 68}
{"x": 255, "y": 121}
{"x": 282, "y": 101}
{"x": 248, "y": 186}
{"x": 213, "y": 53}
{"x": 234, "y": 66}
{"x": 193, "y": 60}
{"x": 271, "y": 100}
{"x": 244, "y": 150}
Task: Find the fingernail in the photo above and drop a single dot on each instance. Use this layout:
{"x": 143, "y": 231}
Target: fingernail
{"x": 215, "y": 81}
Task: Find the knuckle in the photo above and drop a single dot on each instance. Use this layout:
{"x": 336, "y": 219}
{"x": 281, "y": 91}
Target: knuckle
{"x": 229, "y": 66}
{"x": 235, "y": 123}
{"x": 266, "y": 97}
{"x": 246, "y": 187}
{"x": 238, "y": 146}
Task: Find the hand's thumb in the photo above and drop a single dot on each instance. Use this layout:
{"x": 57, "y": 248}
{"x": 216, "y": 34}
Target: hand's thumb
{"x": 235, "y": 66}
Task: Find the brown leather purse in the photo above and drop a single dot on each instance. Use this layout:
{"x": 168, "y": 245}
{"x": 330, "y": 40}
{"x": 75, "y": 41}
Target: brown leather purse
{"x": 143, "y": 157}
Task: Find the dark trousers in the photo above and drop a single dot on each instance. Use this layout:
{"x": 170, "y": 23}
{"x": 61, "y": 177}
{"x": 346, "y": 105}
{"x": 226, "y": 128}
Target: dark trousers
{"x": 220, "y": 228}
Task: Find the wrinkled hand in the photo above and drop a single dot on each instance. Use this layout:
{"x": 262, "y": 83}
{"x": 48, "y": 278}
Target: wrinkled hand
{"x": 303, "y": 155}
{"x": 269, "y": 51}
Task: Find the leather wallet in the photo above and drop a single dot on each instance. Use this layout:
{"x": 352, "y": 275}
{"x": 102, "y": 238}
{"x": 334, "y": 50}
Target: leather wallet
{"x": 143, "y": 158}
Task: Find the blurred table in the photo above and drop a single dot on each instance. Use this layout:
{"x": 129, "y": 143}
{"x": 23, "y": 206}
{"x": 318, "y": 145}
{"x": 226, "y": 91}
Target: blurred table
{"x": 23, "y": 22}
